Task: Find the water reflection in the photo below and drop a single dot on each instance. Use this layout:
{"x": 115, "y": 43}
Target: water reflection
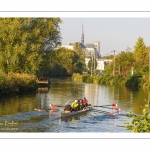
{"x": 75, "y": 118}
{"x": 15, "y": 104}
{"x": 22, "y": 107}
{"x": 43, "y": 97}
{"x": 64, "y": 90}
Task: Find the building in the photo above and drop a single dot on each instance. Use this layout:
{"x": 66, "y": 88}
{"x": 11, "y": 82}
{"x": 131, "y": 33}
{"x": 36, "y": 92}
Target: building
{"x": 89, "y": 49}
{"x": 101, "y": 63}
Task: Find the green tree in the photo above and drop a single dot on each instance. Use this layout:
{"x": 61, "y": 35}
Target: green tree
{"x": 124, "y": 62}
{"x": 81, "y": 61}
{"x": 140, "y": 123}
{"x": 25, "y": 43}
{"x": 64, "y": 62}
{"x": 139, "y": 48}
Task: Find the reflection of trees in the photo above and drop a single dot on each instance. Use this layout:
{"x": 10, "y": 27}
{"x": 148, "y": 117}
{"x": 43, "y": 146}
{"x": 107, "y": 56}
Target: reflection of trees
{"x": 17, "y": 104}
{"x": 129, "y": 100}
{"x": 63, "y": 90}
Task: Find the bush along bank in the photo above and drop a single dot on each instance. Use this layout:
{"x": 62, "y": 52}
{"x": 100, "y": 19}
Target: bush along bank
{"x": 17, "y": 83}
{"x": 110, "y": 80}
{"x": 121, "y": 80}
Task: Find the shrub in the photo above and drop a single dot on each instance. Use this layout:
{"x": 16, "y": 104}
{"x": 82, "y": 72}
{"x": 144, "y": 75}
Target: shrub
{"x": 16, "y": 83}
{"x": 140, "y": 123}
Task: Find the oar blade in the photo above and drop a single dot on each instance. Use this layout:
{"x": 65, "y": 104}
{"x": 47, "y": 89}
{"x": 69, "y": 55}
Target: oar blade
{"x": 114, "y": 105}
{"x": 53, "y": 106}
{"x": 112, "y": 114}
{"x": 117, "y": 109}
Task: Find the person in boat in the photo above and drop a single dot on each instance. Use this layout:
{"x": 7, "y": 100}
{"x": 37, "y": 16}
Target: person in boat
{"x": 81, "y": 105}
{"x": 75, "y": 105}
{"x": 85, "y": 101}
{"x": 68, "y": 108}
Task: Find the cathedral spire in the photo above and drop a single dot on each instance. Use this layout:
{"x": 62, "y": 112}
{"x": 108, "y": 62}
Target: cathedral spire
{"x": 82, "y": 37}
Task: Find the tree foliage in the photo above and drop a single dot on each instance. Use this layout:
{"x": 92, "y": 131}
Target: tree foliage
{"x": 81, "y": 61}
{"x": 139, "y": 48}
{"x": 65, "y": 62}
{"x": 140, "y": 123}
{"x": 128, "y": 64}
{"x": 25, "y": 43}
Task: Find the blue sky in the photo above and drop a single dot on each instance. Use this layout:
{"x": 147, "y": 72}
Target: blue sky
{"x": 113, "y": 33}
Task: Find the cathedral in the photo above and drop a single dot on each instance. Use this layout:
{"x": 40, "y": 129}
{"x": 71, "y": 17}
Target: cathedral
{"x": 90, "y": 49}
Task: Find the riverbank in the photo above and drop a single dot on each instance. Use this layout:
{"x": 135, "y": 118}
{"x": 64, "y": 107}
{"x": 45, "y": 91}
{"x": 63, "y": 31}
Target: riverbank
{"x": 121, "y": 80}
{"x": 12, "y": 83}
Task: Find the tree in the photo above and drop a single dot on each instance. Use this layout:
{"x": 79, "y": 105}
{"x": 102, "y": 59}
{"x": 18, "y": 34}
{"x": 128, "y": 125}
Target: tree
{"x": 25, "y": 43}
{"x": 139, "y": 48}
{"x": 124, "y": 62}
{"x": 81, "y": 61}
{"x": 64, "y": 62}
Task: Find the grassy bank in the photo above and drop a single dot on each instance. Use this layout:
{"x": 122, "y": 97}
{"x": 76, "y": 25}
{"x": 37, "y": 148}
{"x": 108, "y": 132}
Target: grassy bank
{"x": 17, "y": 83}
{"x": 118, "y": 80}
{"x": 122, "y": 80}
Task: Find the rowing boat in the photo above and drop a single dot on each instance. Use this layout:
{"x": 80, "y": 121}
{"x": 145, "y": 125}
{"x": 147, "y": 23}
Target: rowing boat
{"x": 63, "y": 114}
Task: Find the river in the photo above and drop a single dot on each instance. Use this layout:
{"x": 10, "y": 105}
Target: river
{"x": 18, "y": 114}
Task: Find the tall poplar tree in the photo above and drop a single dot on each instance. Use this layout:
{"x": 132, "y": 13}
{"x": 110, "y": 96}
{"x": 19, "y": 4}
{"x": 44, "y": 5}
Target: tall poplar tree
{"x": 139, "y": 48}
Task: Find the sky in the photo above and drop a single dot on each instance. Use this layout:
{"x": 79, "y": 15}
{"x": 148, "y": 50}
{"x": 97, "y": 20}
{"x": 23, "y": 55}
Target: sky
{"x": 114, "y": 33}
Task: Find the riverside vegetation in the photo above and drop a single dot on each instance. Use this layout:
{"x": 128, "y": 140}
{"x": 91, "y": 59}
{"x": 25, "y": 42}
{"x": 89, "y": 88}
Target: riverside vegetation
{"x": 25, "y": 44}
{"x": 29, "y": 47}
{"x": 131, "y": 69}
{"x": 140, "y": 123}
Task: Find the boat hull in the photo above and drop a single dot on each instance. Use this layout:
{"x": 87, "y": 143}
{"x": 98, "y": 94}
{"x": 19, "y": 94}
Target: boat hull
{"x": 63, "y": 114}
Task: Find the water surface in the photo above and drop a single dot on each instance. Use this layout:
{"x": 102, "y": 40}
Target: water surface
{"x": 17, "y": 113}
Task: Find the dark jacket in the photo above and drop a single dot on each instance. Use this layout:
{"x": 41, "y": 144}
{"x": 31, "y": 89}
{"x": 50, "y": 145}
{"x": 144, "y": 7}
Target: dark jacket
{"x": 68, "y": 108}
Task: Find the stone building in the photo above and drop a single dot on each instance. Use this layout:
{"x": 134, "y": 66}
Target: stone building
{"x": 89, "y": 48}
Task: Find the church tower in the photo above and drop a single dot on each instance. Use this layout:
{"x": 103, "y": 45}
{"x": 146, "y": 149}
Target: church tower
{"x": 82, "y": 37}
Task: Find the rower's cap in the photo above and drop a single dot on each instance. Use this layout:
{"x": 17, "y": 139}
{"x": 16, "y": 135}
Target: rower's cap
{"x": 76, "y": 100}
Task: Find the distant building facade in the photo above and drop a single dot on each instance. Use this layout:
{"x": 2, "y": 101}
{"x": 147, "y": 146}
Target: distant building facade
{"x": 89, "y": 48}
{"x": 101, "y": 63}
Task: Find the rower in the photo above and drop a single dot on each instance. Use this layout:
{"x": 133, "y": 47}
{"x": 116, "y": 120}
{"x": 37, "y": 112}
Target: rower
{"x": 68, "y": 108}
{"x": 81, "y": 105}
{"x": 85, "y": 101}
{"x": 75, "y": 105}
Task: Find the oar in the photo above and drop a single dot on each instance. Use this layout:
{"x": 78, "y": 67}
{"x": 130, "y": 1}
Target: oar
{"x": 44, "y": 110}
{"x": 59, "y": 106}
{"x": 116, "y": 108}
{"x": 106, "y": 105}
{"x": 38, "y": 109}
{"x": 52, "y": 109}
{"x": 133, "y": 115}
{"x": 105, "y": 112}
